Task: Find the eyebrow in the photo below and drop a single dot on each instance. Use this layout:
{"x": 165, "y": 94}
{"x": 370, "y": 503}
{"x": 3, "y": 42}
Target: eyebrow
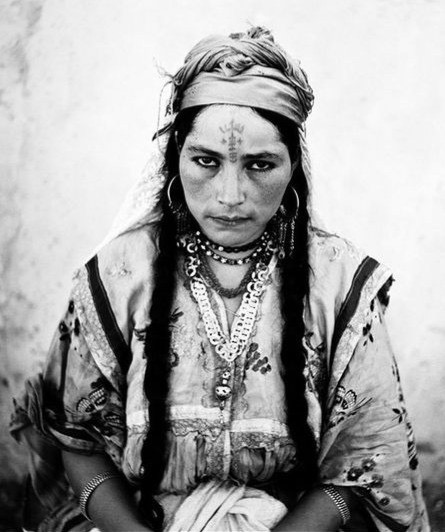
{"x": 202, "y": 149}
{"x": 259, "y": 155}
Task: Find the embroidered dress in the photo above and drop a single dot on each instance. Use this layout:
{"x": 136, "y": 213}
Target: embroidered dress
{"x": 90, "y": 397}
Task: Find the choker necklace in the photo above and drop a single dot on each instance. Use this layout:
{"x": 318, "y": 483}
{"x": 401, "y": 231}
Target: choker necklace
{"x": 230, "y": 249}
{"x": 205, "y": 247}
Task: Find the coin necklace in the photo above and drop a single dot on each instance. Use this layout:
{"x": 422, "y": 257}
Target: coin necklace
{"x": 227, "y": 348}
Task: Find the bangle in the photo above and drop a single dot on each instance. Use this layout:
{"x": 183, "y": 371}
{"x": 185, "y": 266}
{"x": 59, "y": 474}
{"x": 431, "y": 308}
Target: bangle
{"x": 339, "y": 502}
{"x": 90, "y": 486}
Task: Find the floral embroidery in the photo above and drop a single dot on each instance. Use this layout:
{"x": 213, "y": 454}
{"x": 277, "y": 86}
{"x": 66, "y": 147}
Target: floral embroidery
{"x": 373, "y": 314}
{"x": 64, "y": 332}
{"x": 315, "y": 370}
{"x": 401, "y": 414}
{"x": 175, "y": 315}
{"x": 368, "y": 464}
{"x": 118, "y": 270}
{"x": 96, "y": 400}
{"x": 255, "y": 362}
{"x": 376, "y": 481}
{"x": 367, "y": 333}
{"x": 367, "y": 479}
{"x": 174, "y": 358}
{"x": 412, "y": 451}
{"x": 345, "y": 405}
{"x": 173, "y": 355}
{"x": 140, "y": 334}
{"x": 338, "y": 248}
{"x": 354, "y": 473}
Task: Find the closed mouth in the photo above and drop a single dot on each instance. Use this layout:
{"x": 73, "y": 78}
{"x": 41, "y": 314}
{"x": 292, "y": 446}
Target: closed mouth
{"x": 229, "y": 219}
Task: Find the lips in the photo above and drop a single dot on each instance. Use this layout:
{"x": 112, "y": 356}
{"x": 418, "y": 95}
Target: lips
{"x": 229, "y": 220}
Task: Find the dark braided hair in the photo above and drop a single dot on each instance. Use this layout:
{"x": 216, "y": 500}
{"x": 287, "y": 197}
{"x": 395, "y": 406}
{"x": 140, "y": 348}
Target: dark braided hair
{"x": 295, "y": 274}
{"x": 158, "y": 338}
{"x": 294, "y": 289}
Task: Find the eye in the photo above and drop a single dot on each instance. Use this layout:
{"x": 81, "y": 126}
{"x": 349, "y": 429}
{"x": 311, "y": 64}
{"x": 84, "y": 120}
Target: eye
{"x": 206, "y": 162}
{"x": 261, "y": 166}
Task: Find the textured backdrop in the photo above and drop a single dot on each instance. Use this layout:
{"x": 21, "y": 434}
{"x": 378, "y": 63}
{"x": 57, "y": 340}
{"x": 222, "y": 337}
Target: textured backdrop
{"x": 79, "y": 92}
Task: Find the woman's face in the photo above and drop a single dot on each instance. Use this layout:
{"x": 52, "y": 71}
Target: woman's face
{"x": 234, "y": 170}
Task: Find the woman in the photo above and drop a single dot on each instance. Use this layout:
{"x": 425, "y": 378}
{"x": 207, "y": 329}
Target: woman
{"x": 222, "y": 364}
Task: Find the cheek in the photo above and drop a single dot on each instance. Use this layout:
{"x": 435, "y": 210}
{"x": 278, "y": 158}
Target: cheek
{"x": 196, "y": 189}
{"x": 189, "y": 179}
{"x": 272, "y": 191}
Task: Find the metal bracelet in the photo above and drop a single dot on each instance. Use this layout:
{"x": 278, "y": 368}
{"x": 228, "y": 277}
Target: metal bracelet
{"x": 339, "y": 502}
{"x": 90, "y": 486}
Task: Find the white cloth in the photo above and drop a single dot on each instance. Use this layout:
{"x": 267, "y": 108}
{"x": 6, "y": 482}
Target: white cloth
{"x": 222, "y": 506}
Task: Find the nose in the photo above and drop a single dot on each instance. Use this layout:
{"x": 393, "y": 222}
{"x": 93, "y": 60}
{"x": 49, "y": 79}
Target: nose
{"x": 230, "y": 191}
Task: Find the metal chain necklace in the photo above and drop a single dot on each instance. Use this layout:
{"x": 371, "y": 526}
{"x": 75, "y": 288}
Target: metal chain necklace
{"x": 213, "y": 281}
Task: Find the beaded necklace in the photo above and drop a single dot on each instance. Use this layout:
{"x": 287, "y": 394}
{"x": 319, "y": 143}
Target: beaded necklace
{"x": 230, "y": 249}
{"x": 205, "y": 247}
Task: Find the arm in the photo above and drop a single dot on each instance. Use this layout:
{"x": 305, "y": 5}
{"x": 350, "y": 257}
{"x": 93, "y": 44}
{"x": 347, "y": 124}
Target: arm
{"x": 316, "y": 512}
{"x": 110, "y": 506}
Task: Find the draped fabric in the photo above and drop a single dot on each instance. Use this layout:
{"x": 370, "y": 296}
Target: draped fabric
{"x": 221, "y": 471}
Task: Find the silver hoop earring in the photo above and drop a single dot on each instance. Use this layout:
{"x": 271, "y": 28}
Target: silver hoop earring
{"x": 291, "y": 213}
{"x": 174, "y": 208}
{"x": 178, "y": 209}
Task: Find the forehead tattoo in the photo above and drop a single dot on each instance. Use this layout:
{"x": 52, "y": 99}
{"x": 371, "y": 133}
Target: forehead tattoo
{"x": 232, "y": 135}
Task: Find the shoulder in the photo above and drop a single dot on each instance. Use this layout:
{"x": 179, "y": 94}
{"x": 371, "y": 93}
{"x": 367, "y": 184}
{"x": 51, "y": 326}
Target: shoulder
{"x": 129, "y": 255}
{"x": 325, "y": 247}
{"x": 125, "y": 267}
{"x": 116, "y": 284}
{"x": 340, "y": 269}
{"x": 333, "y": 261}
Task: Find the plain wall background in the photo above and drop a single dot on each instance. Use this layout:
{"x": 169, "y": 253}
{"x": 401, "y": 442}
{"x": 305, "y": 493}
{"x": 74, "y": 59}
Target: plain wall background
{"x": 79, "y": 94}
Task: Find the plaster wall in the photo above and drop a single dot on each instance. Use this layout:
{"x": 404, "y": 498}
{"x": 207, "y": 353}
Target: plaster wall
{"x": 79, "y": 95}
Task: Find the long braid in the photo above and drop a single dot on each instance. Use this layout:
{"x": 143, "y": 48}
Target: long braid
{"x": 295, "y": 274}
{"x": 294, "y": 290}
{"x": 156, "y": 380}
{"x": 158, "y": 338}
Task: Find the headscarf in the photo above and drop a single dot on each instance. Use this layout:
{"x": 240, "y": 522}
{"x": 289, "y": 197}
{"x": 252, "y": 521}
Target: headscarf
{"x": 241, "y": 61}
{"x": 256, "y": 68}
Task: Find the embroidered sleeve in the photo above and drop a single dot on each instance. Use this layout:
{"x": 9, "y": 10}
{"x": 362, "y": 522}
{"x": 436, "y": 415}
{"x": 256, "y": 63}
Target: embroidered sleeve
{"x": 371, "y": 445}
{"x": 72, "y": 404}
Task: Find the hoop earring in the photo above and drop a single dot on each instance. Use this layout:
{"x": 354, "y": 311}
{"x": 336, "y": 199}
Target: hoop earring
{"x": 286, "y": 218}
{"x": 178, "y": 209}
{"x": 293, "y": 212}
